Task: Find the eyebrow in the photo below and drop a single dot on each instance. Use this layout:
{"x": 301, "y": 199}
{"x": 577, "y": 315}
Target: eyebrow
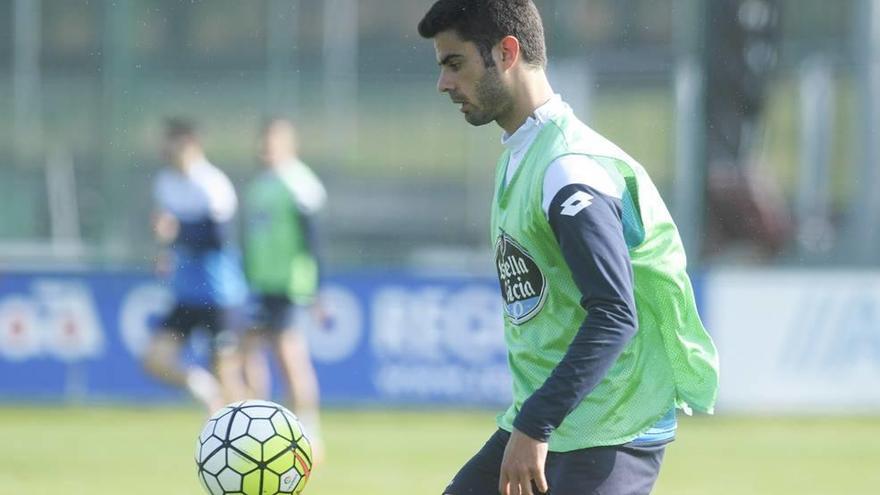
{"x": 449, "y": 58}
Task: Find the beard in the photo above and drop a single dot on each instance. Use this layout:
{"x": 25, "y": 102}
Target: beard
{"x": 492, "y": 99}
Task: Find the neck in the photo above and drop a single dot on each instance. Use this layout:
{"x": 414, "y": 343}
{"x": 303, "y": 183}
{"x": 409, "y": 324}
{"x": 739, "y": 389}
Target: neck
{"x": 280, "y": 161}
{"x": 188, "y": 161}
{"x": 531, "y": 90}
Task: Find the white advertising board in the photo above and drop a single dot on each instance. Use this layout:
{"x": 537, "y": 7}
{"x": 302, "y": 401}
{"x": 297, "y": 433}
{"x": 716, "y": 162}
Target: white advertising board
{"x": 796, "y": 341}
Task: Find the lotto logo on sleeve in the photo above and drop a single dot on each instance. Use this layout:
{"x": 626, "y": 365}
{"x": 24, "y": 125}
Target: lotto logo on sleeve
{"x": 576, "y": 203}
{"x": 522, "y": 282}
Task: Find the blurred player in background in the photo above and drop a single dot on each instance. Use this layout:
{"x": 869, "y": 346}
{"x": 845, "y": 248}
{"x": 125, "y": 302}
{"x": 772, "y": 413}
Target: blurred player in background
{"x": 603, "y": 335}
{"x": 282, "y": 271}
{"x": 195, "y": 207}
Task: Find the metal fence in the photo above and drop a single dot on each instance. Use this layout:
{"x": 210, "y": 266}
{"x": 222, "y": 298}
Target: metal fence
{"x": 84, "y": 86}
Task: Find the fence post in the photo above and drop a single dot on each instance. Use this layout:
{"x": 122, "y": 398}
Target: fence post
{"x": 341, "y": 31}
{"x": 814, "y": 232}
{"x": 689, "y": 183}
{"x": 26, "y": 80}
{"x": 282, "y": 82}
{"x": 117, "y": 86}
{"x": 63, "y": 204}
{"x": 865, "y": 212}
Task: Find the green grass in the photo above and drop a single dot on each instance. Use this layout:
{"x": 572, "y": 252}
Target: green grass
{"x": 110, "y": 451}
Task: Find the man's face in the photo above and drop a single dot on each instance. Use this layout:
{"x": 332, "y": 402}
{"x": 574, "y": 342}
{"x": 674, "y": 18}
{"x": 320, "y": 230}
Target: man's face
{"x": 174, "y": 149}
{"x": 477, "y": 89}
{"x": 276, "y": 145}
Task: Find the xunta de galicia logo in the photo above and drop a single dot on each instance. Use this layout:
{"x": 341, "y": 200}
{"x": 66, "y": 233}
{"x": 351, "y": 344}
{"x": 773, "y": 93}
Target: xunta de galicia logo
{"x": 522, "y": 283}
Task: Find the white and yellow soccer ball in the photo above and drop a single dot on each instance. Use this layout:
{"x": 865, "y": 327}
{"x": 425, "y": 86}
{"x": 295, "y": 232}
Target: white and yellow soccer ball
{"x": 253, "y": 447}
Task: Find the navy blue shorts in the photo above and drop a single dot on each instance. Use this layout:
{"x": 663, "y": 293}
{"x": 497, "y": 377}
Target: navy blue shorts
{"x": 618, "y": 470}
{"x": 221, "y": 323}
{"x": 274, "y": 313}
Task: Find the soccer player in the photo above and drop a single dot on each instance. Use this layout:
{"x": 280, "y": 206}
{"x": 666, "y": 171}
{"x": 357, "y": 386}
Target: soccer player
{"x": 195, "y": 205}
{"x": 604, "y": 340}
{"x": 282, "y": 270}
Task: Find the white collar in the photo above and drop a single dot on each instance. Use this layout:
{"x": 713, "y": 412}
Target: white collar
{"x": 196, "y": 168}
{"x": 543, "y": 114}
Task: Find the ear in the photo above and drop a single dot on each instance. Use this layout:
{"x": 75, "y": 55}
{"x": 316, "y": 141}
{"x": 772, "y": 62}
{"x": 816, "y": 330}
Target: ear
{"x": 508, "y": 52}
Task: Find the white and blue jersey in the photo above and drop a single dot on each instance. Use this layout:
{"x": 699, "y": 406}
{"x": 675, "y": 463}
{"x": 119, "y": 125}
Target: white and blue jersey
{"x": 206, "y": 268}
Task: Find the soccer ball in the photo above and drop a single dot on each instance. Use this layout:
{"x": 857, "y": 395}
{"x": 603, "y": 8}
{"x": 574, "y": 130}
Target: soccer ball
{"x": 253, "y": 447}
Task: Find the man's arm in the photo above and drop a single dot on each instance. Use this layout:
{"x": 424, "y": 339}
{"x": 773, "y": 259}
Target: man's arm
{"x": 165, "y": 228}
{"x": 585, "y": 215}
{"x": 309, "y": 190}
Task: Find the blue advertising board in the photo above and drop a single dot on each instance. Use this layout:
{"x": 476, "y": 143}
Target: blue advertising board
{"x": 390, "y": 339}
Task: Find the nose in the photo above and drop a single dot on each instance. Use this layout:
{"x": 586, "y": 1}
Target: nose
{"x": 444, "y": 85}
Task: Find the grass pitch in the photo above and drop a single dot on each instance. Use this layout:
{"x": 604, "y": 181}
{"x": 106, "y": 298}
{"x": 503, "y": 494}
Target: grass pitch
{"x": 110, "y": 451}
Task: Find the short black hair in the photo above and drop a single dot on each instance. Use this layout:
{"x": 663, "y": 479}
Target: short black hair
{"x": 180, "y": 128}
{"x": 486, "y": 22}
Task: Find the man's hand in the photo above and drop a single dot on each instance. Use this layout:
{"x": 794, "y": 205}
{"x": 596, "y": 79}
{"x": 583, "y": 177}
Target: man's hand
{"x": 165, "y": 227}
{"x": 523, "y": 462}
{"x": 320, "y": 314}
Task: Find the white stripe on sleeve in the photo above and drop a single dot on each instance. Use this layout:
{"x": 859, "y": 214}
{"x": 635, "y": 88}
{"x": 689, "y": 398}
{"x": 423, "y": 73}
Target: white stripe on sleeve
{"x": 576, "y": 169}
